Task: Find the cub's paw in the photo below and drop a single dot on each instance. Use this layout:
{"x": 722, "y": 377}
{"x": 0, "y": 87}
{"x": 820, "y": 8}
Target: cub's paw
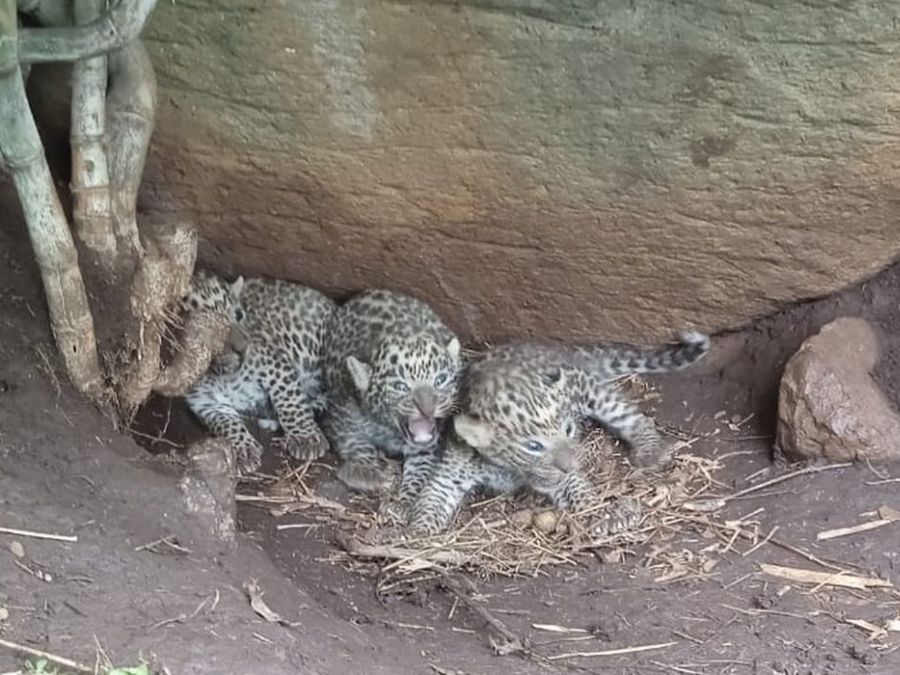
{"x": 656, "y": 454}
{"x": 421, "y": 527}
{"x": 623, "y": 515}
{"x": 391, "y": 513}
{"x": 247, "y": 457}
{"x": 366, "y": 476}
{"x": 226, "y": 363}
{"x": 304, "y": 449}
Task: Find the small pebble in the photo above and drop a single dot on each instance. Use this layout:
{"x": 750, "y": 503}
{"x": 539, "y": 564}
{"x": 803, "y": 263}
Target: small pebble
{"x": 4, "y": 614}
{"x": 521, "y": 518}
{"x": 17, "y": 549}
{"x": 545, "y": 521}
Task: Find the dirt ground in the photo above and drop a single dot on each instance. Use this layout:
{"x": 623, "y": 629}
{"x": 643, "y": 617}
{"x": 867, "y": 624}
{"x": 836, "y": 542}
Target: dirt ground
{"x": 65, "y": 469}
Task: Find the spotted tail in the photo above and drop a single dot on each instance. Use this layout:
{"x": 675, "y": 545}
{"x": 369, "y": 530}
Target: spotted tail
{"x": 615, "y": 360}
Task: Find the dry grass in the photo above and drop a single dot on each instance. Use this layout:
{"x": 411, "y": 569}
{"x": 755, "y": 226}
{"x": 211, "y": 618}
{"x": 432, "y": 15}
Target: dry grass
{"x": 519, "y": 535}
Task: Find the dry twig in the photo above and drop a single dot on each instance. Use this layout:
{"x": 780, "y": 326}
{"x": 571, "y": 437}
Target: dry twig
{"x": 612, "y": 652}
{"x": 38, "y": 535}
{"x": 61, "y": 660}
{"x": 825, "y": 578}
{"x": 845, "y": 531}
{"x": 513, "y": 643}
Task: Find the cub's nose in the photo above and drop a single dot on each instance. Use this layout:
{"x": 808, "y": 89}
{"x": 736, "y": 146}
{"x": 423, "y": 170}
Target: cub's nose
{"x": 564, "y": 457}
{"x": 426, "y": 400}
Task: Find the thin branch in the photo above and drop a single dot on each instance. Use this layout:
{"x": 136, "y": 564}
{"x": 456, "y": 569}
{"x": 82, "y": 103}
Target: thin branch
{"x": 61, "y": 660}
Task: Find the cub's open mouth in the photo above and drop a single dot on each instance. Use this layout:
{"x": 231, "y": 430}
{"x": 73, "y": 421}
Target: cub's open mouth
{"x": 420, "y": 430}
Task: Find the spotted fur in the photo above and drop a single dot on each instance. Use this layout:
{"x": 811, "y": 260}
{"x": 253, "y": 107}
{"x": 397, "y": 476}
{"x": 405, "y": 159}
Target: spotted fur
{"x": 523, "y": 406}
{"x": 273, "y": 373}
{"x": 392, "y": 370}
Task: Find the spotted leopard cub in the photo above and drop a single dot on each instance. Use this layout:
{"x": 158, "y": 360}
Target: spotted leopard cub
{"x": 210, "y": 292}
{"x": 523, "y": 405}
{"x": 392, "y": 370}
{"x": 272, "y": 369}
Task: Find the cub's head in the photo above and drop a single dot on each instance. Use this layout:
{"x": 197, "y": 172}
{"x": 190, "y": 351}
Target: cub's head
{"x": 410, "y": 385}
{"x": 521, "y": 419}
{"x": 212, "y": 293}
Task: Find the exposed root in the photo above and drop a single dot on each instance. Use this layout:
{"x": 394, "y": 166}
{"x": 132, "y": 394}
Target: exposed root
{"x": 162, "y": 279}
{"x": 115, "y": 29}
{"x": 48, "y": 229}
{"x": 131, "y": 115}
{"x": 204, "y": 336}
{"x": 103, "y": 185}
{"x": 144, "y": 370}
{"x": 92, "y": 210}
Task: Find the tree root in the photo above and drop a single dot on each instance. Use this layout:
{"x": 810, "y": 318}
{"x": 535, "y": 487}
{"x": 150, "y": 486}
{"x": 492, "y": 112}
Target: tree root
{"x": 113, "y": 115}
{"x": 114, "y": 30}
{"x": 161, "y": 281}
{"x": 205, "y": 335}
{"x": 92, "y": 208}
{"x": 51, "y": 240}
{"x": 131, "y": 116}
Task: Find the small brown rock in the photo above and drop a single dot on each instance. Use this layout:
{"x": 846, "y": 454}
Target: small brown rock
{"x": 829, "y": 407}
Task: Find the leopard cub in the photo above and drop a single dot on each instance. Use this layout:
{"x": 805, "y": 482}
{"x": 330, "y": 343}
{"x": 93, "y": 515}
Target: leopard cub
{"x": 272, "y": 369}
{"x": 392, "y": 369}
{"x": 523, "y": 405}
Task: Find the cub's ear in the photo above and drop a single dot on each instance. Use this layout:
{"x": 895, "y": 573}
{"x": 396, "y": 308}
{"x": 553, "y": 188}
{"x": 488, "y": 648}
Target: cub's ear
{"x": 473, "y": 431}
{"x": 360, "y": 372}
{"x": 453, "y": 349}
{"x": 237, "y": 287}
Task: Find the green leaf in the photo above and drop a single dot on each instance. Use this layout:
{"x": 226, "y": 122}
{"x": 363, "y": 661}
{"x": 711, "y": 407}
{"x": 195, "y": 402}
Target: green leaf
{"x": 137, "y": 670}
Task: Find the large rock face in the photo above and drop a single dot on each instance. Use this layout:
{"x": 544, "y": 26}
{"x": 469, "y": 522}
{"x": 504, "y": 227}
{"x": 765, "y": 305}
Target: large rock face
{"x": 616, "y": 169}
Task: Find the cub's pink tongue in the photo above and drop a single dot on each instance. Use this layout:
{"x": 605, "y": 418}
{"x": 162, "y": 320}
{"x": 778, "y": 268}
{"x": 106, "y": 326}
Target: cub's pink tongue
{"x": 421, "y": 429}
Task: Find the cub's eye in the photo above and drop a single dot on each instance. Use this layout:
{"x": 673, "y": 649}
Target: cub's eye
{"x": 571, "y": 429}
{"x": 441, "y": 380}
{"x": 401, "y": 386}
{"x": 239, "y": 314}
{"x": 535, "y": 447}
{"x": 194, "y": 303}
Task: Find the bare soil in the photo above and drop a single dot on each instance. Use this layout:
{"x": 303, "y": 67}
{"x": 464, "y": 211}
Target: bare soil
{"x": 65, "y": 469}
